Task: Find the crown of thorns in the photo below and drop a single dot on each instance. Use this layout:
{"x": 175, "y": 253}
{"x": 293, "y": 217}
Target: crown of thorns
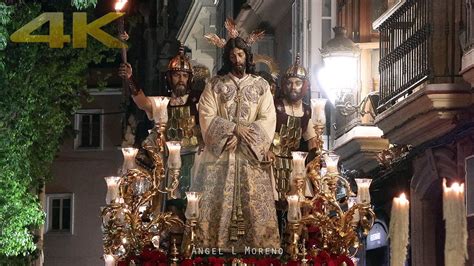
{"x": 233, "y": 33}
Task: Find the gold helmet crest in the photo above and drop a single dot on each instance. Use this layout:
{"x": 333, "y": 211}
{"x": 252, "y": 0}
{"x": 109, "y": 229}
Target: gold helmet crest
{"x": 296, "y": 70}
{"x": 180, "y": 62}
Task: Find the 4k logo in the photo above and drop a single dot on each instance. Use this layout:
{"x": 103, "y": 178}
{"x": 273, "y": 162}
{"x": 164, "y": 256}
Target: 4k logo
{"x": 80, "y": 28}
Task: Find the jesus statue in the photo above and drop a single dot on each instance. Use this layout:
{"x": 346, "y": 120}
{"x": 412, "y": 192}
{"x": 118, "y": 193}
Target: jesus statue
{"x": 237, "y": 117}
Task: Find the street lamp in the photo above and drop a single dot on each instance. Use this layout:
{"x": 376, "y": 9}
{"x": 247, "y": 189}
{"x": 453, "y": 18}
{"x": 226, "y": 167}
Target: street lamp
{"x": 339, "y": 77}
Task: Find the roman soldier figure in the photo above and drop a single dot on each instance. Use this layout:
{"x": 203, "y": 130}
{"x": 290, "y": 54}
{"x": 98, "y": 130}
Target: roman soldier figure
{"x": 294, "y": 131}
{"x": 182, "y": 125}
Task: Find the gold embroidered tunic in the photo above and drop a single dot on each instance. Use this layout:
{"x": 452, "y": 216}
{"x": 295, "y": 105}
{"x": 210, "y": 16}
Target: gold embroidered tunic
{"x": 236, "y": 184}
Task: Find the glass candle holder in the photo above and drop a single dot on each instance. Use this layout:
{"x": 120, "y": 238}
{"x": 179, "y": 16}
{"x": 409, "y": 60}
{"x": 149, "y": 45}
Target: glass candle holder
{"x": 112, "y": 188}
{"x": 174, "y": 154}
{"x": 298, "y": 161}
{"x": 331, "y": 160}
{"x": 318, "y": 114}
{"x": 363, "y": 193}
{"x": 294, "y": 211}
{"x": 160, "y": 109}
{"x": 128, "y": 159}
{"x": 192, "y": 209}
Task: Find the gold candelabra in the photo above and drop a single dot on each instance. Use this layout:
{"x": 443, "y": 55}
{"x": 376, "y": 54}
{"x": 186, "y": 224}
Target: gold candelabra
{"x": 131, "y": 219}
{"x": 339, "y": 223}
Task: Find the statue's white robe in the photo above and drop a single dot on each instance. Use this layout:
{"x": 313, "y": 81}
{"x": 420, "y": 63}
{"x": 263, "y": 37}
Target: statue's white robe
{"x": 216, "y": 170}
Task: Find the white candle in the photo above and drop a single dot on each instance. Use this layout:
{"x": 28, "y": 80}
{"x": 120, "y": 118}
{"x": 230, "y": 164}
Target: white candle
{"x": 109, "y": 260}
{"x": 318, "y": 115}
{"x": 192, "y": 209}
{"x": 174, "y": 154}
{"x": 454, "y": 214}
{"x": 160, "y": 111}
{"x": 140, "y": 185}
{"x": 156, "y": 241}
{"x": 112, "y": 188}
{"x": 299, "y": 158}
{"x": 363, "y": 192}
{"x": 398, "y": 233}
{"x": 294, "y": 211}
{"x": 121, "y": 211}
{"x": 331, "y": 160}
{"x": 128, "y": 159}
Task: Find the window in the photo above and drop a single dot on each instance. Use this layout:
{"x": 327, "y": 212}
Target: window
{"x": 327, "y": 22}
{"x": 89, "y": 125}
{"x": 59, "y": 213}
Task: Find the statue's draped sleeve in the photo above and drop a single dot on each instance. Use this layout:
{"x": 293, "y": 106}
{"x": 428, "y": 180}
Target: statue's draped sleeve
{"x": 215, "y": 129}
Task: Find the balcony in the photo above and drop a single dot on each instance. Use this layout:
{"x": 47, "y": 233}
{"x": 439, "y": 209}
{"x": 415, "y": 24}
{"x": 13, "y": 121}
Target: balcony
{"x": 430, "y": 112}
{"x": 422, "y": 95}
{"x": 405, "y": 42}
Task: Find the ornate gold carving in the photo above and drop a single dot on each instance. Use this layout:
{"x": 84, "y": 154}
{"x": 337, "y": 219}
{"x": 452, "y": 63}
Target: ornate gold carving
{"x": 391, "y": 155}
{"x": 130, "y": 223}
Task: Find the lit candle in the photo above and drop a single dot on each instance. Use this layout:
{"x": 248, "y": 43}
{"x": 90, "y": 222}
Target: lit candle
{"x": 454, "y": 214}
{"x": 363, "y": 193}
{"x": 331, "y": 160}
{"x": 128, "y": 159}
{"x": 299, "y": 158}
{"x": 192, "y": 209}
{"x": 398, "y": 233}
{"x": 318, "y": 115}
{"x": 121, "y": 212}
{"x": 109, "y": 260}
{"x": 112, "y": 188}
{"x": 174, "y": 157}
{"x": 155, "y": 240}
{"x": 160, "y": 111}
{"x": 140, "y": 185}
{"x": 294, "y": 211}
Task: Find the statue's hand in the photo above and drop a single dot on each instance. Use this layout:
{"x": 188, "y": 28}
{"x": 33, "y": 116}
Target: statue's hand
{"x": 245, "y": 133}
{"x": 271, "y": 156}
{"x": 231, "y": 145}
{"x": 125, "y": 71}
{"x": 124, "y": 36}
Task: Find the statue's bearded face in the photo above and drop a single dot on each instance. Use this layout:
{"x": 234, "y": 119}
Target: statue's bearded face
{"x": 237, "y": 57}
{"x": 179, "y": 82}
{"x": 294, "y": 89}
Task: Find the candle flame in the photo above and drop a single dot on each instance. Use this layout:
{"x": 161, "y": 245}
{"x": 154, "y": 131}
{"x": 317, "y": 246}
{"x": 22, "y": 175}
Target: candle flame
{"x": 120, "y": 4}
{"x": 456, "y": 187}
{"x": 403, "y": 197}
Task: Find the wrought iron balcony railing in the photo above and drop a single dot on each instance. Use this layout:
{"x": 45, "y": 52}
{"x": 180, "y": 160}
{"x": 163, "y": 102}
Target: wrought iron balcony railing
{"x": 405, "y": 48}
